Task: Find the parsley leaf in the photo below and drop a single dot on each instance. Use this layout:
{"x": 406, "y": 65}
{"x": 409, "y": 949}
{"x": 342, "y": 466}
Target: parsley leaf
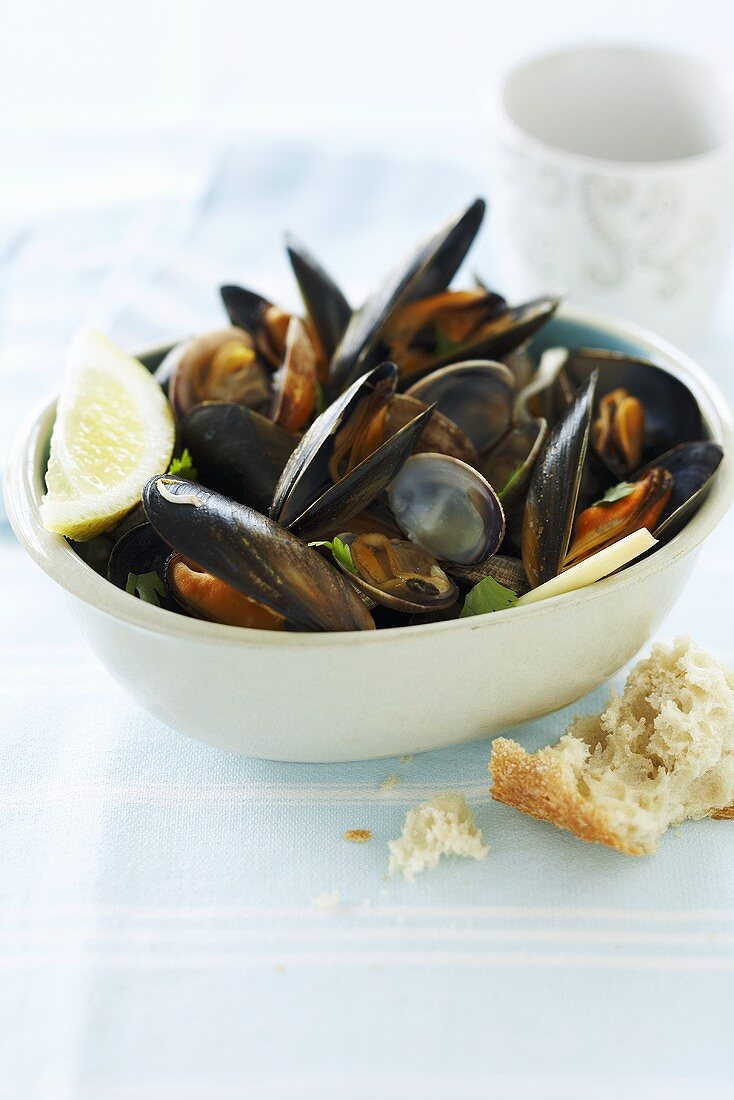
{"x": 183, "y": 466}
{"x": 146, "y": 586}
{"x": 617, "y": 492}
{"x": 488, "y": 595}
{"x": 444, "y": 346}
{"x": 341, "y": 552}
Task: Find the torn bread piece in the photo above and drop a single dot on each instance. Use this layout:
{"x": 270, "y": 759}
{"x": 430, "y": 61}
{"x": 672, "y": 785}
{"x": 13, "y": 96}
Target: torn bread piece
{"x": 442, "y": 826}
{"x": 659, "y": 754}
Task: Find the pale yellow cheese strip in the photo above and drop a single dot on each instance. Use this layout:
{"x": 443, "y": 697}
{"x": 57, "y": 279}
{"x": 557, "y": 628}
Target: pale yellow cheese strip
{"x": 594, "y": 568}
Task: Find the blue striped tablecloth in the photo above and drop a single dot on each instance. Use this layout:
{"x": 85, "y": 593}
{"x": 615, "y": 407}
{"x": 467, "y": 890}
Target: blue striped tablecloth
{"x": 158, "y": 937}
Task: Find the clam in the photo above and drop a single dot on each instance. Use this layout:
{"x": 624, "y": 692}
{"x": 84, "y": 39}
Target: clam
{"x": 507, "y": 571}
{"x": 236, "y": 451}
{"x": 549, "y": 392}
{"x": 254, "y": 555}
{"x": 397, "y": 573}
{"x": 440, "y": 434}
{"x": 475, "y": 395}
{"x": 217, "y": 366}
{"x": 447, "y": 508}
{"x": 553, "y": 490}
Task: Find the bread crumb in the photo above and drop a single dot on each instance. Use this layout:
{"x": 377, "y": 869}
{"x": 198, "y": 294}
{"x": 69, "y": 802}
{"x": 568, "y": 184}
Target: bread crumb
{"x": 660, "y": 754}
{"x": 408, "y": 759}
{"x": 358, "y": 836}
{"x": 389, "y": 782}
{"x": 330, "y": 901}
{"x": 444, "y": 825}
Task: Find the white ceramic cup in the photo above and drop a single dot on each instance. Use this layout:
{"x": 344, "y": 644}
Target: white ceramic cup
{"x": 614, "y": 180}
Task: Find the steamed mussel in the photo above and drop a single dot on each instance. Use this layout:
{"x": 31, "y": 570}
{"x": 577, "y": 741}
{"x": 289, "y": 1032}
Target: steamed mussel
{"x": 365, "y": 467}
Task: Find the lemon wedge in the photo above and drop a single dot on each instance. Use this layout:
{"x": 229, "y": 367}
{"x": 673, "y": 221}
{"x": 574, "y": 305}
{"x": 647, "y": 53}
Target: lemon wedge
{"x": 114, "y": 429}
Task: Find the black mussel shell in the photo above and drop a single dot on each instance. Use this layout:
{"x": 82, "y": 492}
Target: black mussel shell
{"x": 550, "y": 505}
{"x": 693, "y": 466}
{"x": 326, "y": 306}
{"x": 672, "y": 414}
{"x": 139, "y": 551}
{"x": 236, "y": 451}
{"x": 429, "y": 269}
{"x": 254, "y": 555}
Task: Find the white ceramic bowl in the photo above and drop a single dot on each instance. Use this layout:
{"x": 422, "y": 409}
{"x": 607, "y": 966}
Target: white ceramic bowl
{"x": 319, "y": 697}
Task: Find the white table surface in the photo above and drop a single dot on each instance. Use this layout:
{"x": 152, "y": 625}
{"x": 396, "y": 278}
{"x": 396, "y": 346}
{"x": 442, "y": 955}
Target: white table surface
{"x": 157, "y": 937}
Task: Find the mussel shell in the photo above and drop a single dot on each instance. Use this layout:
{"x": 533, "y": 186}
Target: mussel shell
{"x": 693, "y": 466}
{"x": 254, "y": 555}
{"x": 326, "y": 306}
{"x": 140, "y": 550}
{"x": 362, "y": 485}
{"x": 476, "y": 395}
{"x": 429, "y": 269}
{"x": 417, "y": 600}
{"x": 509, "y": 465}
{"x": 296, "y": 381}
{"x": 509, "y": 330}
{"x": 672, "y": 414}
{"x": 236, "y": 451}
{"x": 553, "y": 491}
{"x": 229, "y": 607}
{"x": 248, "y": 310}
{"x": 509, "y": 572}
{"x": 447, "y": 508}
{"x": 306, "y": 475}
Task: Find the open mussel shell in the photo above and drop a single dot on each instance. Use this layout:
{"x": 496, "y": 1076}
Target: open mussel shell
{"x": 429, "y": 269}
{"x": 138, "y": 552}
{"x": 236, "y": 451}
{"x": 476, "y": 395}
{"x": 397, "y": 574}
{"x": 507, "y": 571}
{"x": 221, "y": 365}
{"x": 306, "y": 475}
{"x": 204, "y": 596}
{"x": 508, "y": 329}
{"x": 265, "y": 322}
{"x": 296, "y": 381}
{"x": 553, "y": 490}
{"x": 509, "y": 465}
{"x": 606, "y": 522}
{"x": 362, "y": 485}
{"x": 693, "y": 466}
{"x": 326, "y": 307}
{"x": 672, "y": 414}
{"x": 447, "y": 508}
{"x": 257, "y": 557}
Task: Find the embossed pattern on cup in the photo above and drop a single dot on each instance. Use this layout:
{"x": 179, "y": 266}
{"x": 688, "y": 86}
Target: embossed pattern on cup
{"x": 644, "y": 231}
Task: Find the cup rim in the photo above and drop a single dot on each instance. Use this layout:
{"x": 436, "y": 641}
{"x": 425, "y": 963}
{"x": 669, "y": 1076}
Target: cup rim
{"x": 506, "y": 127}
{"x": 59, "y": 561}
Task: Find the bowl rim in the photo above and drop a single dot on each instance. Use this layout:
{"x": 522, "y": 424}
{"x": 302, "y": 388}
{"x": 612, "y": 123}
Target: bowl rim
{"x": 60, "y": 562}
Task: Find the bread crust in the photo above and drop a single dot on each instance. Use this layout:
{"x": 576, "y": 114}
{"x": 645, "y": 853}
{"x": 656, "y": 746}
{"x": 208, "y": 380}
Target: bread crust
{"x": 727, "y": 814}
{"x": 536, "y": 784}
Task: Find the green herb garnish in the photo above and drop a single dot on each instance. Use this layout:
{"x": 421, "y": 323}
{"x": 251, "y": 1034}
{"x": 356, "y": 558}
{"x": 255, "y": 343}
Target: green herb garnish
{"x": 514, "y": 477}
{"x": 183, "y": 466}
{"x": 617, "y": 492}
{"x": 146, "y": 586}
{"x": 341, "y": 552}
{"x": 486, "y": 596}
